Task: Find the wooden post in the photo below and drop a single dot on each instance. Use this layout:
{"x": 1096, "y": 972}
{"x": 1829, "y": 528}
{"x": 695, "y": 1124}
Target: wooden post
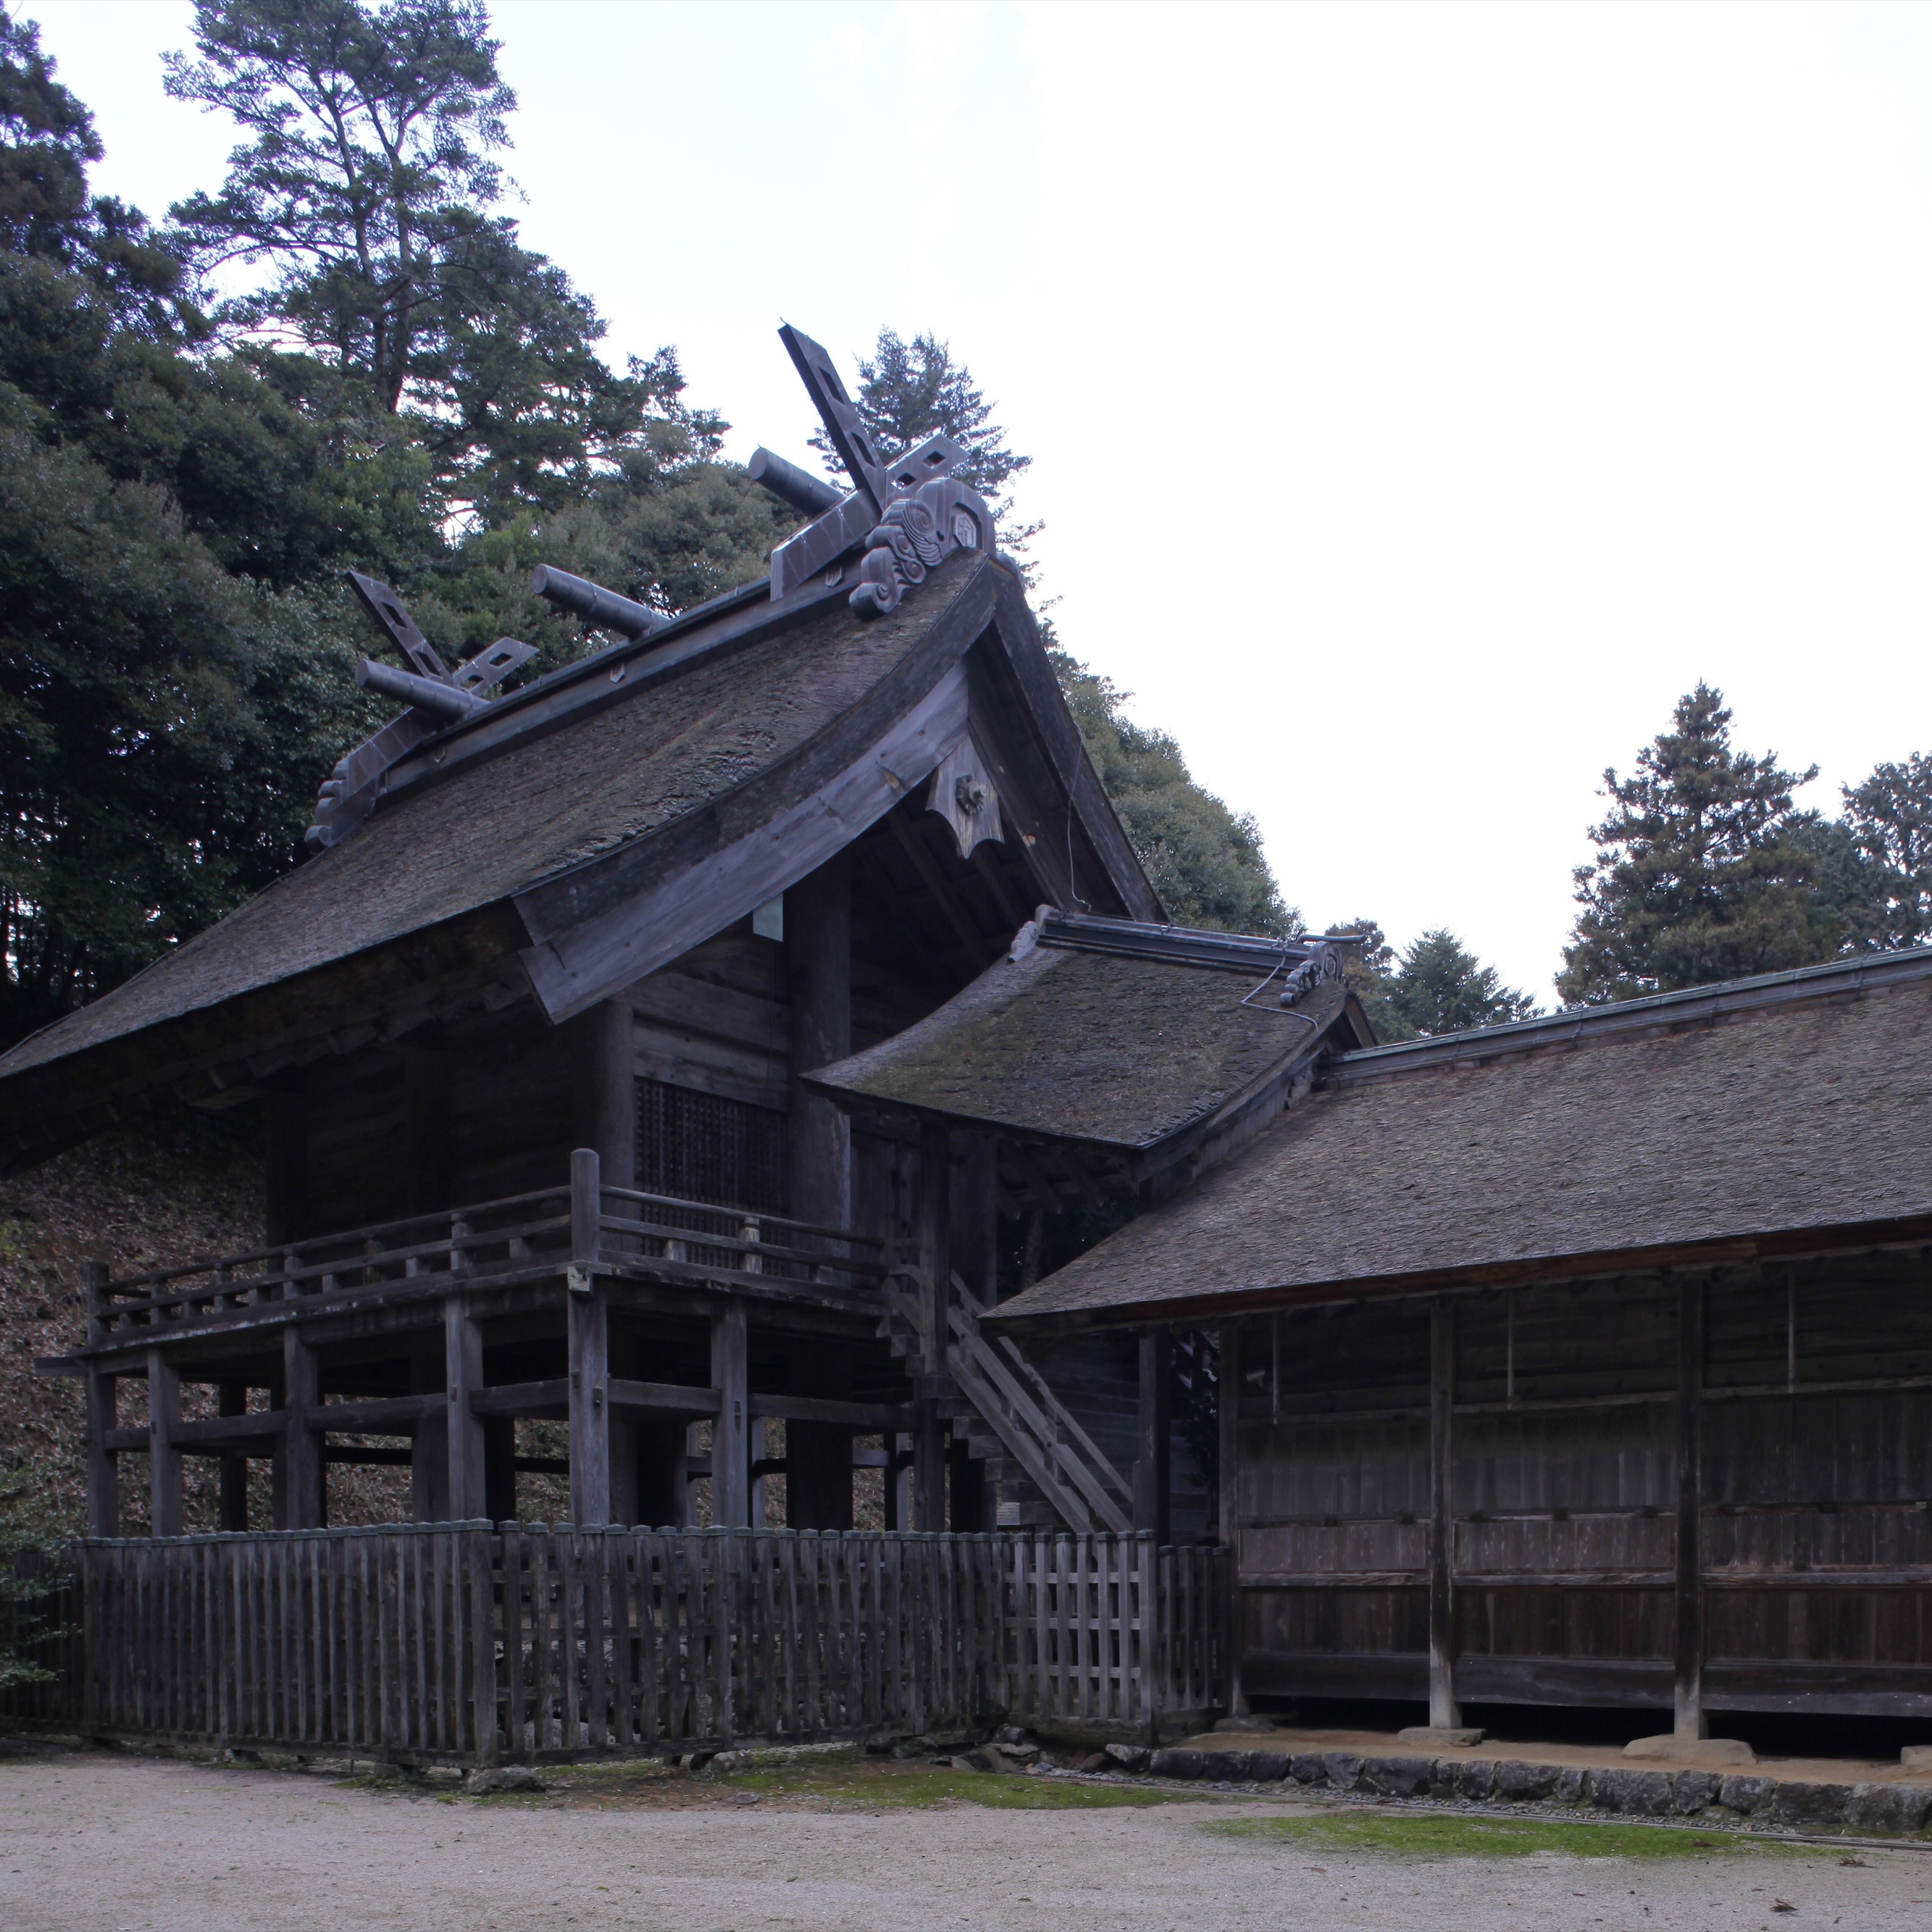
{"x": 935, "y": 1237}
{"x": 462, "y": 1376}
{"x": 1442, "y": 1706}
{"x": 730, "y": 1431}
{"x": 426, "y": 1099}
{"x": 302, "y": 1446}
{"x": 589, "y": 1324}
{"x": 1152, "y": 1487}
{"x": 103, "y": 1468}
{"x": 1688, "y": 1691}
{"x": 1228, "y": 1398}
{"x": 586, "y": 1205}
{"x": 429, "y": 1449}
{"x": 928, "y": 1467}
{"x": 232, "y": 1399}
{"x": 818, "y": 969}
{"x": 164, "y": 1460}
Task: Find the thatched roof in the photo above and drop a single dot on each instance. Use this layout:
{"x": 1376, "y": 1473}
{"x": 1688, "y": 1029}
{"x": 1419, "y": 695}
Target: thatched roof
{"x": 1105, "y": 1031}
{"x": 1766, "y": 1116}
{"x": 522, "y": 840}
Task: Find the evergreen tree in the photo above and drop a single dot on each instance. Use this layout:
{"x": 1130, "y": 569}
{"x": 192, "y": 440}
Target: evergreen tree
{"x": 1437, "y": 986}
{"x": 1886, "y": 896}
{"x": 910, "y": 390}
{"x": 1205, "y": 861}
{"x": 1706, "y": 870}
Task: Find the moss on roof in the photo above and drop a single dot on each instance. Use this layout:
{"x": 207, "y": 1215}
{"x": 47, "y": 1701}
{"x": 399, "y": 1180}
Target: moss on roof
{"x": 1807, "y": 1115}
{"x": 1081, "y": 1046}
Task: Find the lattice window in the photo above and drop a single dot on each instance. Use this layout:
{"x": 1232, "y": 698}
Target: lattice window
{"x": 700, "y": 1148}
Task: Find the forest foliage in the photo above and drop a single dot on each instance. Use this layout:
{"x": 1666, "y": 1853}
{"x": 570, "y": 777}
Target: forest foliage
{"x": 342, "y": 354}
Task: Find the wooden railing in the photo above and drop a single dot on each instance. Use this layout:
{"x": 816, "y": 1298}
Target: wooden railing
{"x": 1015, "y": 1402}
{"x": 466, "y": 1246}
{"x": 462, "y": 1642}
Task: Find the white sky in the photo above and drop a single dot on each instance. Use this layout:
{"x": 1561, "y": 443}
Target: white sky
{"x": 1422, "y": 398}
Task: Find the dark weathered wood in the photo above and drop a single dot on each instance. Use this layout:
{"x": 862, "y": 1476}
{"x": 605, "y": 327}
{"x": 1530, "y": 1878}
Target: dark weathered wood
{"x": 1687, "y": 1688}
{"x": 104, "y": 1478}
{"x": 164, "y": 1462}
{"x": 730, "y": 1431}
{"x": 818, "y": 970}
{"x": 1152, "y": 1487}
{"x": 1443, "y": 1708}
{"x": 589, "y": 1339}
{"x": 463, "y": 1380}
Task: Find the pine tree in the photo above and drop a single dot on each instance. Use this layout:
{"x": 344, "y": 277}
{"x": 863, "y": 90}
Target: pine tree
{"x": 1437, "y": 986}
{"x": 910, "y": 390}
{"x": 1888, "y": 821}
{"x": 1706, "y": 870}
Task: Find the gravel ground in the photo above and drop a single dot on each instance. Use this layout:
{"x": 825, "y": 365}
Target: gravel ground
{"x": 113, "y": 1844}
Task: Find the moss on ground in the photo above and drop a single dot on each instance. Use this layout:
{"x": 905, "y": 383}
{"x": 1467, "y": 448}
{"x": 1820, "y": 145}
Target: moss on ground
{"x": 1450, "y": 1834}
{"x": 874, "y": 1785}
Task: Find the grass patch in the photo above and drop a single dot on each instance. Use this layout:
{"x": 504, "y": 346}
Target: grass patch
{"x": 1451, "y": 1835}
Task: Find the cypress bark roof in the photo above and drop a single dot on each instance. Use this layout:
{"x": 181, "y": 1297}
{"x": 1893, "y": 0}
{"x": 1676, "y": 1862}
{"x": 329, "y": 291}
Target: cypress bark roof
{"x": 1777, "y": 1112}
{"x": 1106, "y": 1032}
{"x": 558, "y": 836}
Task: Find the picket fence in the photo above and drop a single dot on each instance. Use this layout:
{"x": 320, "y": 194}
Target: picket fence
{"x": 471, "y": 1643}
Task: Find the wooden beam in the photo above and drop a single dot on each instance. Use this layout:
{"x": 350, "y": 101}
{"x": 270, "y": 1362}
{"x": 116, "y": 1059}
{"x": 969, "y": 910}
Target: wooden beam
{"x": 222, "y": 1431}
{"x": 462, "y": 1381}
{"x": 551, "y": 1398}
{"x": 884, "y": 1417}
{"x": 731, "y": 1431}
{"x": 664, "y": 1398}
{"x": 935, "y": 1240}
{"x": 391, "y": 1414}
{"x": 1442, "y": 1706}
{"x": 299, "y": 1458}
{"x": 164, "y": 1463}
{"x": 104, "y": 1471}
{"x": 1687, "y": 1688}
{"x": 818, "y": 970}
{"x": 231, "y": 1398}
{"x": 1152, "y": 1485}
{"x": 588, "y": 1323}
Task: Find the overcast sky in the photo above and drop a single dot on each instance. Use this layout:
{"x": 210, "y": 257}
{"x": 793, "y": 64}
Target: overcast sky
{"x": 1421, "y": 398}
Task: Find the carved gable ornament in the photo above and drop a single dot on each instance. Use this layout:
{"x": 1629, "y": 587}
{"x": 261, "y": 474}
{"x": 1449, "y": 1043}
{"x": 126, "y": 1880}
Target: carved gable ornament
{"x": 902, "y": 519}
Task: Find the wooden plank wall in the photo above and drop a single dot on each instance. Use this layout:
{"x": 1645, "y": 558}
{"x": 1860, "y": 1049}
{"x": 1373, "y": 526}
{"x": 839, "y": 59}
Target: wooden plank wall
{"x": 463, "y": 1643}
{"x": 1813, "y": 1411}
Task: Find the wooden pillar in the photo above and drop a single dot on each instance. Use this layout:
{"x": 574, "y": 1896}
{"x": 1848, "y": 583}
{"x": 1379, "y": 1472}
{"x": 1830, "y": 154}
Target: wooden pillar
{"x": 429, "y": 1448}
{"x": 1443, "y": 1710}
{"x": 818, "y": 1475}
{"x": 935, "y": 1238}
{"x": 299, "y": 1464}
{"x": 966, "y": 1491}
{"x": 164, "y": 1459}
{"x": 1227, "y": 1416}
{"x": 462, "y": 1376}
{"x": 500, "y": 1468}
{"x": 604, "y": 1041}
{"x": 731, "y": 1431}
{"x": 1152, "y": 1485}
{"x": 588, "y": 1319}
{"x": 928, "y": 1467}
{"x": 976, "y": 1215}
{"x": 232, "y": 1399}
{"x": 657, "y": 1448}
{"x": 103, "y": 1466}
{"x": 818, "y": 971}
{"x": 1688, "y": 1690}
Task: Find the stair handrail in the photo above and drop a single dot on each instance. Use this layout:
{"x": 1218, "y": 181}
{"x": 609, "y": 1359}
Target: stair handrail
{"x": 1010, "y": 1352}
{"x": 1032, "y": 1402}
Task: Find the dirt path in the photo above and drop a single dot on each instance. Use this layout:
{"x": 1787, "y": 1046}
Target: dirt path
{"x": 118, "y": 1845}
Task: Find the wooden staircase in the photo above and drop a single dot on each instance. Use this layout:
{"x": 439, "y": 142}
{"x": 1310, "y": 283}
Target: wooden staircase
{"x": 1042, "y": 1467}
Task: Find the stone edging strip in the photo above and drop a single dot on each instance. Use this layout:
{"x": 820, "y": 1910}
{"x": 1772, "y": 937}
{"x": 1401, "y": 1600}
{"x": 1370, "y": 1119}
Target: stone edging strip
{"x": 1884, "y": 1810}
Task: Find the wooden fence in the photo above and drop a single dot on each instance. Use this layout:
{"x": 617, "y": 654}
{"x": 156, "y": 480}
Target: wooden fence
{"x": 464, "y": 1642}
